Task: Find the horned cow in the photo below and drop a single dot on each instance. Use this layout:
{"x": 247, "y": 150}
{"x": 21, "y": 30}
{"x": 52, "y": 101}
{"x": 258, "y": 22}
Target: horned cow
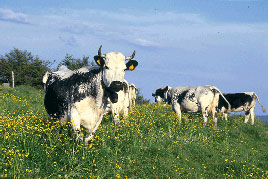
{"x": 81, "y": 96}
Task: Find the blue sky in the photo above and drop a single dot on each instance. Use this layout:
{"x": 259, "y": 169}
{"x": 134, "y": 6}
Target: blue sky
{"x": 177, "y": 43}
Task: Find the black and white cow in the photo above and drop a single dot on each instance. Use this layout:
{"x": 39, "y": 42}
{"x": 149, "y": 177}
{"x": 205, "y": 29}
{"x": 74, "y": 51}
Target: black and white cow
{"x": 240, "y": 102}
{"x": 126, "y": 101}
{"x": 159, "y": 95}
{"x": 202, "y": 99}
{"x": 121, "y": 107}
{"x": 61, "y": 73}
{"x": 81, "y": 96}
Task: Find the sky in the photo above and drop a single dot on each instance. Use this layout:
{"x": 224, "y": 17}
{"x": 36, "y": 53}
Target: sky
{"x": 178, "y": 43}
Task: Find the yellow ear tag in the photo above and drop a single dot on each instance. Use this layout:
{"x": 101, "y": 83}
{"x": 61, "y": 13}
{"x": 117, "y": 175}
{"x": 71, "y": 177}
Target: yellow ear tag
{"x": 131, "y": 67}
{"x": 98, "y": 61}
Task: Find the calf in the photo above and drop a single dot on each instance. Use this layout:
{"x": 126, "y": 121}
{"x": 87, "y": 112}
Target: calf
{"x": 81, "y": 96}
{"x": 240, "y": 102}
{"x": 202, "y": 99}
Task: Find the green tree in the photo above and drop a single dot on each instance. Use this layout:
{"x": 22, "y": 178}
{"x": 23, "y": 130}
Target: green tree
{"x": 75, "y": 63}
{"x": 140, "y": 99}
{"x": 28, "y": 70}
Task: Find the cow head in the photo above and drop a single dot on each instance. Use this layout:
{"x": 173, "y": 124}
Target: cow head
{"x": 161, "y": 95}
{"x": 113, "y": 67}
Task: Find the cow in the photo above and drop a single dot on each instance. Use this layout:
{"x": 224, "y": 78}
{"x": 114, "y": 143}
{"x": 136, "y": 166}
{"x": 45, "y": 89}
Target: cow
{"x": 81, "y": 96}
{"x": 159, "y": 95}
{"x": 240, "y": 102}
{"x": 121, "y": 107}
{"x": 132, "y": 96}
{"x": 202, "y": 99}
{"x": 62, "y": 71}
{"x": 126, "y": 101}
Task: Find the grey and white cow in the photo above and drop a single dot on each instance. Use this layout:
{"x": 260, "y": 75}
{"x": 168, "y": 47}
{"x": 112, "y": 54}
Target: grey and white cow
{"x": 240, "y": 102}
{"x": 81, "y": 96}
{"x": 202, "y": 99}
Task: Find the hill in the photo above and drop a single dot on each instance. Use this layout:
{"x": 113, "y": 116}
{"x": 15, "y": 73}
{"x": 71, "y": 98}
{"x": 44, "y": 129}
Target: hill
{"x": 149, "y": 144}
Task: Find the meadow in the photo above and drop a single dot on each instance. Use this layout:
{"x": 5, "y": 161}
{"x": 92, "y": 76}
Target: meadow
{"x": 150, "y": 143}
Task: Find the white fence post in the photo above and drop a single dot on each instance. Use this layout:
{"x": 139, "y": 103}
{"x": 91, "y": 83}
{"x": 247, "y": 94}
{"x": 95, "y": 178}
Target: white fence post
{"x": 12, "y": 79}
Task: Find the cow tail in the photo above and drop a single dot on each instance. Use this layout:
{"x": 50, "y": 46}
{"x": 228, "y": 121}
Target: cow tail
{"x": 229, "y": 106}
{"x": 263, "y": 109}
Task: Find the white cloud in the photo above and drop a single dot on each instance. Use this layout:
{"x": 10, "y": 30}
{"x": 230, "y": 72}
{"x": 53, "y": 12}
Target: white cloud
{"x": 9, "y": 15}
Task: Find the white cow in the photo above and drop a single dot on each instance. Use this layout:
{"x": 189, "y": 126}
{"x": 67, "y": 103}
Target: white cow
{"x": 202, "y": 99}
{"x": 132, "y": 96}
{"x": 81, "y": 96}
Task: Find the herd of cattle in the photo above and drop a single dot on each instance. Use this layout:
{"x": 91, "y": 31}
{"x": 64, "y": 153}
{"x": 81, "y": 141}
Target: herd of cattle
{"x": 83, "y": 96}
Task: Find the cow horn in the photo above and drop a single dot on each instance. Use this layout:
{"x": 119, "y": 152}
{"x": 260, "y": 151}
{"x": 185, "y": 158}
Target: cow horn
{"x": 99, "y": 52}
{"x": 132, "y": 56}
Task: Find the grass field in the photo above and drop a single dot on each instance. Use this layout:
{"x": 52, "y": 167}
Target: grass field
{"x": 149, "y": 144}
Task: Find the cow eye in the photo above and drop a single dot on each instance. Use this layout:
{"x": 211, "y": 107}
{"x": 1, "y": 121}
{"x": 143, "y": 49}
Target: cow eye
{"x": 106, "y": 67}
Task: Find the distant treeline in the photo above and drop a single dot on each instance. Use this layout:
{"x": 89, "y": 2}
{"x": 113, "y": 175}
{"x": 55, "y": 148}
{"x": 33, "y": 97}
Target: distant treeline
{"x": 29, "y": 69}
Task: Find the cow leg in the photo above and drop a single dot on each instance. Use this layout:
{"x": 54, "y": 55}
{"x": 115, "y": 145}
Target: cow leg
{"x": 116, "y": 117}
{"x": 247, "y": 113}
{"x": 130, "y": 106}
{"x": 177, "y": 109}
{"x": 125, "y": 113}
{"x": 225, "y": 116}
{"x": 134, "y": 103}
{"x": 252, "y": 116}
{"x": 90, "y": 136}
{"x": 215, "y": 120}
{"x": 222, "y": 116}
{"x": 76, "y": 122}
{"x": 205, "y": 117}
{"x": 205, "y": 114}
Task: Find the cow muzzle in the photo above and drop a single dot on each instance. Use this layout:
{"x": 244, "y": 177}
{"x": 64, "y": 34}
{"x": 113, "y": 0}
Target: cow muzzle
{"x": 116, "y": 86}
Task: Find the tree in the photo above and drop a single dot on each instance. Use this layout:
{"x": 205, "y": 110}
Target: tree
{"x": 75, "y": 63}
{"x": 140, "y": 99}
{"x": 28, "y": 69}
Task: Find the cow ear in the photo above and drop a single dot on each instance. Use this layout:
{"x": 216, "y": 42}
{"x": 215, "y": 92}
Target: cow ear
{"x": 166, "y": 88}
{"x": 131, "y": 65}
{"x": 99, "y": 60}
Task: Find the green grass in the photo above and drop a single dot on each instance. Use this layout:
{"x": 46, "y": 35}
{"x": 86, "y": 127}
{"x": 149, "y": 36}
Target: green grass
{"x": 149, "y": 144}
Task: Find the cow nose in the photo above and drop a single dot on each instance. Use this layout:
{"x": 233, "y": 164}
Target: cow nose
{"x": 116, "y": 86}
{"x": 114, "y": 97}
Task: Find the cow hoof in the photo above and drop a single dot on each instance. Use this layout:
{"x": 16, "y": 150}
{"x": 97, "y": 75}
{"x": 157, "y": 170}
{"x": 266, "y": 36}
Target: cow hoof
{"x": 88, "y": 138}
